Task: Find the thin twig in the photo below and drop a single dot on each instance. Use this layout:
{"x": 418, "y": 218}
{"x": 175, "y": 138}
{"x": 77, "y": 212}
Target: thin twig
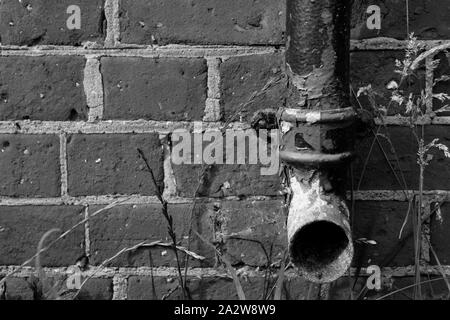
{"x": 169, "y": 219}
{"x": 231, "y": 270}
{"x": 204, "y": 168}
{"x": 280, "y": 280}
{"x": 441, "y": 269}
{"x": 400, "y": 245}
{"x": 152, "y": 276}
{"x": 408, "y": 287}
{"x": 140, "y": 245}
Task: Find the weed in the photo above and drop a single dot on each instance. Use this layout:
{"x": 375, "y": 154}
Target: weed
{"x": 415, "y": 108}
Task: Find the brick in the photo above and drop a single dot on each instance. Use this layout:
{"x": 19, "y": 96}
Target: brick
{"x": 340, "y": 289}
{"x": 93, "y": 289}
{"x": 23, "y": 227}
{"x": 29, "y": 165}
{"x": 241, "y": 77}
{"x": 41, "y": 22}
{"x": 140, "y": 288}
{"x": 101, "y": 164}
{"x": 377, "y": 68}
{"x": 126, "y": 226}
{"x": 202, "y": 22}
{"x": 96, "y": 289}
{"x": 154, "y": 89}
{"x": 254, "y": 231}
{"x": 439, "y": 236}
{"x": 18, "y": 289}
{"x": 381, "y": 221}
{"x": 224, "y": 180}
{"x": 377, "y": 174}
{"x": 428, "y": 19}
{"x": 42, "y": 88}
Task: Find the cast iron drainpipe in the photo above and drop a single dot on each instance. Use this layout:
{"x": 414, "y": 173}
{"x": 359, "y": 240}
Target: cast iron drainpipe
{"x": 317, "y": 140}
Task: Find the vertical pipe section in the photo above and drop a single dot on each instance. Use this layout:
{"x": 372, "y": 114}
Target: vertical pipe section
{"x": 317, "y": 53}
{"x": 317, "y": 137}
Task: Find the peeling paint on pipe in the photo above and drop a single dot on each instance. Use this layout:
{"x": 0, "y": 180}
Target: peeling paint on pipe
{"x": 317, "y": 141}
{"x": 319, "y": 233}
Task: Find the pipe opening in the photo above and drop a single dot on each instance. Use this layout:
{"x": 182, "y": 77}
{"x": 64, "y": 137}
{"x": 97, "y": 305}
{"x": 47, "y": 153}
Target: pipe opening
{"x": 318, "y": 244}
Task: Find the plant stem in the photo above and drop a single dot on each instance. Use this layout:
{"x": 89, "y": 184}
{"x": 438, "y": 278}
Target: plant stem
{"x": 169, "y": 220}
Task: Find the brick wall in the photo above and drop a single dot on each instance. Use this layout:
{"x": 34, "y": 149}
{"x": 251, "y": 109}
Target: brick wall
{"x": 77, "y": 103}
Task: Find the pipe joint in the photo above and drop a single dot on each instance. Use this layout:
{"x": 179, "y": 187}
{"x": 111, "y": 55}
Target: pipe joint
{"x": 317, "y": 138}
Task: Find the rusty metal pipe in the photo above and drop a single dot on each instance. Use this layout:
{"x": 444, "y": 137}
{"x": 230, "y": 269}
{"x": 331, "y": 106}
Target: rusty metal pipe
{"x": 317, "y": 139}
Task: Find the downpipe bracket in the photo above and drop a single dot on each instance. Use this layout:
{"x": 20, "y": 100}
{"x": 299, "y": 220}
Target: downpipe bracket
{"x": 297, "y": 151}
{"x": 313, "y": 137}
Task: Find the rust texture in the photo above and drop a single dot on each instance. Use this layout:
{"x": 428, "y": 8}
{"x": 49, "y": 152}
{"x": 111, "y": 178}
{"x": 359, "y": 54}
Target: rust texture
{"x": 317, "y": 55}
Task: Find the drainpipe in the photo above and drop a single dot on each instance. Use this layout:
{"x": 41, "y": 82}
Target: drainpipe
{"x": 317, "y": 137}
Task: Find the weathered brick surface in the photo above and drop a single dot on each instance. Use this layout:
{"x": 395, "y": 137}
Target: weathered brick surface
{"x": 154, "y": 89}
{"x": 381, "y": 221}
{"x": 93, "y": 289}
{"x": 23, "y": 226}
{"x": 18, "y": 289}
{"x": 428, "y": 19}
{"x": 254, "y": 231}
{"x": 435, "y": 290}
{"x": 37, "y": 22}
{"x": 42, "y": 88}
{"x": 377, "y": 68}
{"x": 241, "y": 77}
{"x": 253, "y": 238}
{"x": 96, "y": 289}
{"x": 377, "y": 173}
{"x": 140, "y": 288}
{"x": 102, "y": 164}
{"x": 29, "y": 165}
{"x": 202, "y": 22}
{"x": 439, "y": 236}
{"x": 223, "y": 180}
{"x": 239, "y": 22}
{"x": 44, "y": 85}
{"x": 126, "y": 226}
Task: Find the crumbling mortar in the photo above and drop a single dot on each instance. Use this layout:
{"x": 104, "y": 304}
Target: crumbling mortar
{"x": 87, "y": 238}
{"x": 113, "y": 23}
{"x": 120, "y": 286}
{"x": 63, "y": 165}
{"x": 170, "y": 187}
{"x": 124, "y": 199}
{"x": 213, "y": 110}
{"x": 93, "y": 88}
{"x": 218, "y": 51}
{"x": 369, "y": 195}
{"x": 207, "y": 273}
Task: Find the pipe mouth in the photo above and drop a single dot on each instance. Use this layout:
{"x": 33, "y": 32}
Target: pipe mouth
{"x": 322, "y": 250}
